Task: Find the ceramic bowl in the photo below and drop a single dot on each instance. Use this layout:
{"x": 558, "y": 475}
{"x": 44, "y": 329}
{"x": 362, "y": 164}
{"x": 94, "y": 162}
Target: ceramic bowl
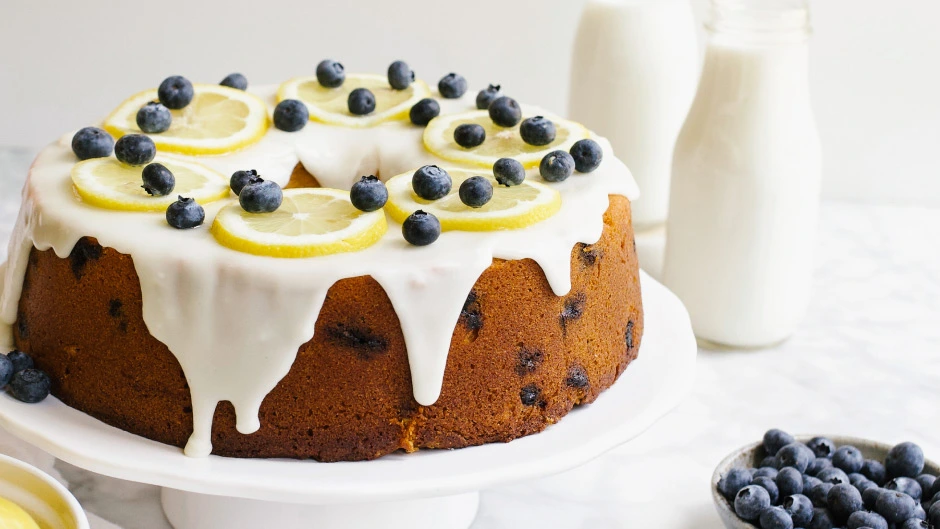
{"x": 44, "y": 498}
{"x": 752, "y": 454}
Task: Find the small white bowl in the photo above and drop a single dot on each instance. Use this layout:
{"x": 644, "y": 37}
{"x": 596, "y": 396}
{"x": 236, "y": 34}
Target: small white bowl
{"x": 44, "y": 498}
{"x": 752, "y": 454}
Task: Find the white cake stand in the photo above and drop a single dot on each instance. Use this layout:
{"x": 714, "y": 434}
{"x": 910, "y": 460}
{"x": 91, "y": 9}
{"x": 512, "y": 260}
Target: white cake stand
{"x": 434, "y": 489}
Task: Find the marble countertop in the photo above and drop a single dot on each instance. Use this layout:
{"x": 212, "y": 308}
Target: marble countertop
{"x": 866, "y": 362}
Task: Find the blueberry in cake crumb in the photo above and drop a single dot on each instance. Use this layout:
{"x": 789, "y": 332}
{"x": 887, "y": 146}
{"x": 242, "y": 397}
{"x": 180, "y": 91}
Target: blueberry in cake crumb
{"x": 470, "y": 314}
{"x": 528, "y": 360}
{"x": 400, "y": 75}
{"x": 158, "y": 180}
{"x": 135, "y": 149}
{"x": 775, "y": 439}
{"x": 775, "y": 518}
{"x": 587, "y": 155}
{"x": 154, "y": 118}
{"x": 30, "y": 386}
{"x": 430, "y": 182}
{"x": 92, "y": 142}
{"x": 361, "y": 102}
{"x": 236, "y": 81}
{"x": 821, "y": 446}
{"x": 860, "y": 519}
{"x": 368, "y": 194}
{"x": 475, "y": 191}
{"x": 789, "y": 481}
{"x": 750, "y": 502}
{"x": 487, "y": 96}
{"x": 572, "y": 310}
{"x": 452, "y": 86}
{"x": 175, "y": 92}
{"x": 84, "y": 250}
{"x": 906, "y": 485}
{"x": 469, "y": 135}
{"x": 330, "y": 73}
{"x": 424, "y": 111}
{"x": 185, "y": 213}
{"x": 733, "y": 481}
{"x": 905, "y": 460}
{"x": 843, "y": 500}
{"x": 115, "y": 308}
{"x": 508, "y": 172}
{"x": 538, "y": 131}
{"x": 848, "y": 458}
{"x": 366, "y": 344}
{"x": 240, "y": 179}
{"x": 577, "y": 378}
{"x": 556, "y": 166}
{"x": 505, "y": 112}
{"x": 530, "y": 395}
{"x": 770, "y": 486}
{"x": 291, "y": 115}
{"x": 20, "y": 360}
{"x": 260, "y": 196}
{"x": 421, "y": 228}
{"x": 800, "y": 509}
{"x": 6, "y": 371}
{"x": 894, "y": 506}
{"x": 630, "y": 339}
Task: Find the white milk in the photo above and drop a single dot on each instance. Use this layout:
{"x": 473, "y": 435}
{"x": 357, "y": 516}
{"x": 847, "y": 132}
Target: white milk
{"x": 746, "y": 180}
{"x": 633, "y": 75}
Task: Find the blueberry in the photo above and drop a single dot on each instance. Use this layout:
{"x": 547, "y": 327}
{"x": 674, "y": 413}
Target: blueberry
{"x": 865, "y": 485}
{"x": 430, "y": 182}
{"x": 818, "y": 465}
{"x": 361, "y": 102}
{"x": 538, "y": 131}
{"x": 848, "y": 458}
{"x": 775, "y": 439}
{"x": 424, "y": 111}
{"x": 789, "y": 481}
{"x": 860, "y": 519}
{"x": 935, "y": 489}
{"x": 508, "y": 172}
{"x": 800, "y": 508}
{"x": 185, "y": 213}
{"x": 874, "y": 471}
{"x": 469, "y": 135}
{"x": 905, "y": 460}
{"x": 400, "y": 75}
{"x": 452, "y": 86}
{"x": 770, "y": 486}
{"x": 914, "y": 523}
{"x": 775, "y": 518}
{"x": 587, "y": 156}
{"x": 6, "y": 370}
{"x": 368, "y": 194}
{"x": 895, "y": 506}
{"x": 733, "y": 481}
{"x": 158, "y": 180}
{"x": 833, "y": 475}
{"x": 926, "y": 482}
{"x": 855, "y": 478}
{"x": 92, "y": 142}
{"x": 236, "y": 81}
{"x": 769, "y": 472}
{"x": 487, "y": 96}
{"x": 795, "y": 455}
{"x": 933, "y": 515}
{"x": 556, "y": 166}
{"x": 919, "y": 512}
{"x": 809, "y": 482}
{"x": 821, "y": 446}
{"x": 154, "y": 118}
{"x": 933, "y": 499}
{"x": 750, "y": 502}
{"x": 820, "y": 494}
{"x": 135, "y": 149}
{"x": 30, "y": 386}
{"x": 260, "y": 196}
{"x": 843, "y": 500}
{"x": 907, "y": 486}
{"x": 240, "y": 179}
{"x": 291, "y": 115}
{"x": 505, "y": 111}
{"x": 331, "y": 74}
{"x": 768, "y": 461}
{"x": 475, "y": 191}
{"x": 421, "y": 228}
{"x": 820, "y": 520}
{"x": 870, "y": 497}
{"x": 175, "y": 92}
{"x": 20, "y": 360}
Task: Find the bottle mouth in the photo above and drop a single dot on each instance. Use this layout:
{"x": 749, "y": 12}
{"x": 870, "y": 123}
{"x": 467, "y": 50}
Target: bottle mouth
{"x": 762, "y": 20}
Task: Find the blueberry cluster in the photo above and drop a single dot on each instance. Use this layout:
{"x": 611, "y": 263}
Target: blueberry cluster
{"x": 816, "y": 485}
{"x": 255, "y": 194}
{"x": 584, "y": 157}
{"x": 175, "y": 92}
{"x": 23, "y": 381}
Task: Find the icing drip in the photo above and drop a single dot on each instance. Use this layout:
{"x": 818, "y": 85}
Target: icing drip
{"x": 235, "y": 321}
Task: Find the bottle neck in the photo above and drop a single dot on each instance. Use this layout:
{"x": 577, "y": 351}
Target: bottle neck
{"x": 759, "y": 22}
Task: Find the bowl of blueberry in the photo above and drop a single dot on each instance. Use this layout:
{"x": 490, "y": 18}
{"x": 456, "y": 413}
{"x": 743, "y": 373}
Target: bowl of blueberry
{"x": 819, "y": 482}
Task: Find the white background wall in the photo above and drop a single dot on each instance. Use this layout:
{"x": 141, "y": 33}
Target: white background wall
{"x": 875, "y": 64}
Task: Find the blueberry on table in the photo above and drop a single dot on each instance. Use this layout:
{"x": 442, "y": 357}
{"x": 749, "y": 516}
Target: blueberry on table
{"x": 158, "y": 180}
{"x": 556, "y": 166}
{"x": 424, "y": 111}
{"x": 361, "y": 102}
{"x": 505, "y": 112}
{"x": 732, "y": 482}
{"x": 905, "y": 460}
{"x": 770, "y": 486}
{"x": 789, "y": 481}
{"x": 330, "y": 73}
{"x": 848, "y": 458}
{"x": 487, "y": 96}
{"x": 260, "y": 196}
{"x": 291, "y": 115}
{"x": 587, "y": 155}
{"x": 818, "y": 465}
{"x": 30, "y": 386}
{"x": 240, "y": 179}
{"x": 154, "y": 118}
{"x": 368, "y": 194}
{"x": 20, "y": 360}
{"x": 469, "y": 135}
{"x": 795, "y": 455}
{"x": 875, "y": 471}
{"x": 843, "y": 500}
{"x": 175, "y": 92}
{"x": 135, "y": 149}
{"x": 6, "y": 371}
{"x": 509, "y": 172}
{"x": 800, "y": 508}
{"x": 538, "y": 131}
{"x": 400, "y": 75}
{"x": 821, "y": 446}
{"x": 185, "y": 213}
{"x": 895, "y": 506}
{"x": 860, "y": 519}
{"x": 820, "y": 520}
{"x": 421, "y": 228}
{"x": 430, "y": 182}
{"x": 475, "y": 191}
{"x": 236, "y": 81}
{"x": 92, "y": 142}
{"x": 750, "y": 502}
{"x": 769, "y": 472}
{"x": 452, "y": 86}
{"x": 833, "y": 475}
{"x": 907, "y": 486}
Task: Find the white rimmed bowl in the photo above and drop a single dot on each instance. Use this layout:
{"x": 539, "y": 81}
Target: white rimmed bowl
{"x": 44, "y": 498}
{"x": 752, "y": 454}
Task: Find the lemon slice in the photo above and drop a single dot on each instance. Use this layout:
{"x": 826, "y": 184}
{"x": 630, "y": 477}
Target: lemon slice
{"x": 110, "y": 184}
{"x": 218, "y": 120}
{"x": 500, "y": 142}
{"x": 329, "y": 105}
{"x": 12, "y": 516}
{"x": 510, "y": 208}
{"x": 310, "y": 222}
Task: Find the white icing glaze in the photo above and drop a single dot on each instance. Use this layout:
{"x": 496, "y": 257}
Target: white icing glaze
{"x": 235, "y": 321}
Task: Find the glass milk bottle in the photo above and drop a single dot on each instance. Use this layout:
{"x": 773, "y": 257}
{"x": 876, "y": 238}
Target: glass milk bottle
{"x": 746, "y": 178}
{"x": 633, "y": 73}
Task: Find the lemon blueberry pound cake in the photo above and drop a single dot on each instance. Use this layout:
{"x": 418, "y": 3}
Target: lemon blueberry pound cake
{"x": 336, "y": 268}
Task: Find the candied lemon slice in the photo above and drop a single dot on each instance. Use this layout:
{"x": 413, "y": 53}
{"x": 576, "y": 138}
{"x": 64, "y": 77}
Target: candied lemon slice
{"x": 12, "y": 516}
{"x": 510, "y": 208}
{"x": 310, "y": 222}
{"x": 218, "y": 120}
{"x": 329, "y": 105}
{"x": 110, "y": 184}
{"x": 500, "y": 142}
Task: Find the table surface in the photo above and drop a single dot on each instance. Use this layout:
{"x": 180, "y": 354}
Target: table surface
{"x": 865, "y": 363}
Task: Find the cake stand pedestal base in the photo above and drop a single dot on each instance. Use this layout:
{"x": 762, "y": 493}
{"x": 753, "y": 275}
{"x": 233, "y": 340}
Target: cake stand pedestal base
{"x": 190, "y": 510}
